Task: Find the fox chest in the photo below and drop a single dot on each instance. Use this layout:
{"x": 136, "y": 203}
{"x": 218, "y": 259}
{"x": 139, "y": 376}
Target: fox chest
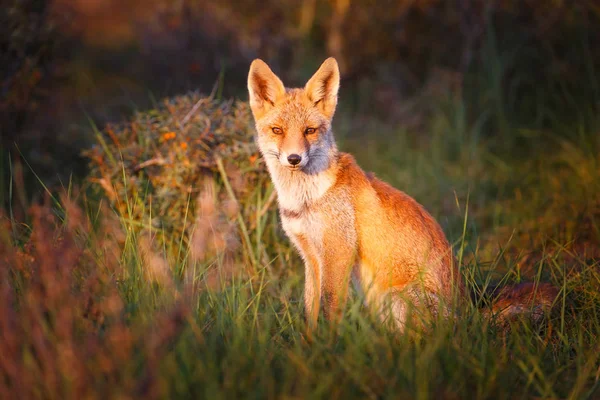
{"x": 320, "y": 227}
{"x": 305, "y": 224}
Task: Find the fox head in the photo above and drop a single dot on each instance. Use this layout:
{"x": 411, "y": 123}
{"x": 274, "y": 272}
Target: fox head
{"x": 294, "y": 125}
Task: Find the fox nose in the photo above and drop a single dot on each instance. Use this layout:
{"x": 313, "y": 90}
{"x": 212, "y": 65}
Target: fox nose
{"x": 294, "y": 159}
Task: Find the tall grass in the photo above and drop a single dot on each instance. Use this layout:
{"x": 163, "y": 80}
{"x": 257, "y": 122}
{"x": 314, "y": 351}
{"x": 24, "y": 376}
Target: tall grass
{"x": 107, "y": 312}
{"x": 100, "y": 301}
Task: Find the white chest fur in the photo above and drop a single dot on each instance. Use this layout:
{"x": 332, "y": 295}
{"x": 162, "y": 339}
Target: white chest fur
{"x": 296, "y": 226}
{"x": 296, "y": 189}
{"x": 308, "y": 224}
{"x": 305, "y": 230}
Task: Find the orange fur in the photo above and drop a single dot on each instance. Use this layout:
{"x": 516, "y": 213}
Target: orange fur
{"x": 342, "y": 221}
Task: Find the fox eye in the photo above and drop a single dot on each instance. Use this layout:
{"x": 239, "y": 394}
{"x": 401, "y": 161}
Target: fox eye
{"x": 309, "y": 131}
{"x": 277, "y": 131}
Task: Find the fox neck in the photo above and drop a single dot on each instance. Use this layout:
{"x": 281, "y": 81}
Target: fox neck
{"x": 297, "y": 190}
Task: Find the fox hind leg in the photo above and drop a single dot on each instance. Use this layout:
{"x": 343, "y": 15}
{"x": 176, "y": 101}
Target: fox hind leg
{"x": 412, "y": 306}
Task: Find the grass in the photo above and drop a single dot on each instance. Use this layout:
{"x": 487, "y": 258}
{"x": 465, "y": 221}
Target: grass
{"x": 174, "y": 281}
{"x": 100, "y": 301}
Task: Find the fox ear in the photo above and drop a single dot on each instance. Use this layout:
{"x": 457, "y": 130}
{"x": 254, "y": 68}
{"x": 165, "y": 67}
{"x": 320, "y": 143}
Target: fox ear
{"x": 264, "y": 88}
{"x": 322, "y": 88}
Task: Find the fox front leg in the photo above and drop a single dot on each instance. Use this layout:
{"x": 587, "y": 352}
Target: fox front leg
{"x": 336, "y": 270}
{"x": 312, "y": 293}
{"x": 312, "y": 280}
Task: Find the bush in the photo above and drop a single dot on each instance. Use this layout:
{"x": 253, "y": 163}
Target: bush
{"x": 164, "y": 170}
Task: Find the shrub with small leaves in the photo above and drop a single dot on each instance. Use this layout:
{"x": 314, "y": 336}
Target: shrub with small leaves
{"x": 154, "y": 167}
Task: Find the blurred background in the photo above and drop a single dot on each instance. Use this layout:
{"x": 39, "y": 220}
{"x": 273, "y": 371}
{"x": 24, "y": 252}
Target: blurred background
{"x": 67, "y": 65}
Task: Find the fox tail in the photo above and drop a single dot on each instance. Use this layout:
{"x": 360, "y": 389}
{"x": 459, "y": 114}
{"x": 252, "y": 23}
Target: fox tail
{"x": 533, "y": 300}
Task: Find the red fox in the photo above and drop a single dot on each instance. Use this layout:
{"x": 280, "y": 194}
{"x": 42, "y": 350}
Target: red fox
{"x": 343, "y": 221}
